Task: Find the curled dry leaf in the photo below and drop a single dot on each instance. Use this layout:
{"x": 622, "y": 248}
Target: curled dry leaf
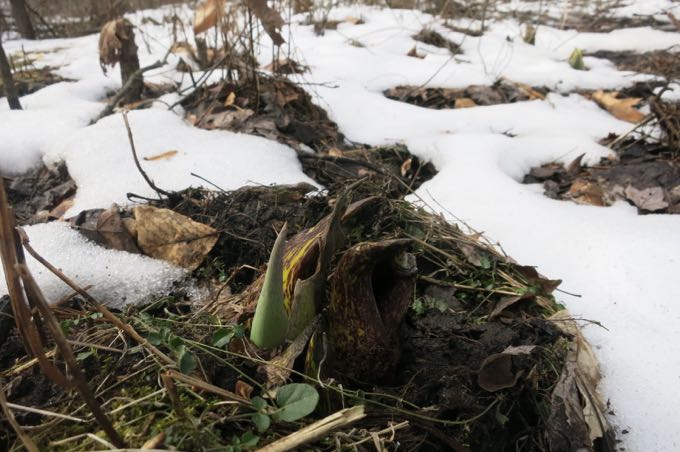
{"x": 207, "y": 15}
{"x": 623, "y": 109}
{"x": 164, "y": 234}
{"x": 111, "y": 38}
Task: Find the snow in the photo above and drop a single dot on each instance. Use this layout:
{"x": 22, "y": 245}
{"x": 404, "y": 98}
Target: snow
{"x": 622, "y": 264}
{"x": 100, "y": 161}
{"x": 117, "y": 278}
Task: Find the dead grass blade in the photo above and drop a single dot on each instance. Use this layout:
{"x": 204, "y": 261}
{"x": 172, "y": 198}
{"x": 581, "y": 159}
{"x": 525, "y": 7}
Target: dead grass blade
{"x": 316, "y": 430}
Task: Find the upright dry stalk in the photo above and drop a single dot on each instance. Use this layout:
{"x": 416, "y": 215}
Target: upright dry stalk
{"x": 8, "y": 80}
{"x": 26, "y": 297}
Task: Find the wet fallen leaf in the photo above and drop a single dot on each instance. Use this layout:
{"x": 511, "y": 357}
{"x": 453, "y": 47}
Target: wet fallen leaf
{"x": 167, "y": 155}
{"x": 623, "y": 109}
{"x": 496, "y": 370}
{"x": 105, "y": 227}
{"x": 465, "y": 102}
{"x": 207, "y": 15}
{"x": 164, "y": 234}
{"x": 650, "y": 199}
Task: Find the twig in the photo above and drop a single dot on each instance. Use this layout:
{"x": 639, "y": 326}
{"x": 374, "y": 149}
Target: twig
{"x": 25, "y": 439}
{"x": 146, "y": 177}
{"x": 316, "y": 430}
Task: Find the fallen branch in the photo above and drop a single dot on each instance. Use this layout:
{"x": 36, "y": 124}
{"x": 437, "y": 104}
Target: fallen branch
{"x": 317, "y": 430}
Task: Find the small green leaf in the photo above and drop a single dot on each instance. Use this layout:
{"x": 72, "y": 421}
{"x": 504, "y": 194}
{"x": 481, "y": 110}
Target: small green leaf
{"x": 295, "y": 401}
{"x": 259, "y": 403}
{"x": 222, "y": 337}
{"x": 83, "y": 355}
{"x": 418, "y": 306}
{"x": 186, "y": 361}
{"x": 155, "y": 339}
{"x": 176, "y": 344}
{"x": 262, "y": 422}
{"x": 249, "y": 439}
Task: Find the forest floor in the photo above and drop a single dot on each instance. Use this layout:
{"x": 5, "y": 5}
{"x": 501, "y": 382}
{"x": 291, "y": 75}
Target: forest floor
{"x": 383, "y": 136}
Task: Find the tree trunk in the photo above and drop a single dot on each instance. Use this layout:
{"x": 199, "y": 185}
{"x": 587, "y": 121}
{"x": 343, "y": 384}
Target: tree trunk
{"x": 21, "y": 18}
{"x": 8, "y": 81}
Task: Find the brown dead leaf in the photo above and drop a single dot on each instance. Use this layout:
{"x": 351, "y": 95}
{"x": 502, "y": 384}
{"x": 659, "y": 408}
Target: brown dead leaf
{"x": 406, "y": 167}
{"x": 106, "y": 228}
{"x": 228, "y": 119}
{"x": 414, "y": 53}
{"x": 505, "y": 302}
{"x": 575, "y": 165}
{"x": 271, "y": 20}
{"x": 164, "y": 234}
{"x": 111, "y": 38}
{"x": 496, "y": 370}
{"x": 622, "y": 109}
{"x": 464, "y": 102}
{"x": 243, "y": 389}
{"x": 650, "y": 199}
{"x": 585, "y": 192}
{"x": 577, "y": 418}
{"x": 60, "y": 210}
{"x": 167, "y": 155}
{"x": 207, "y": 15}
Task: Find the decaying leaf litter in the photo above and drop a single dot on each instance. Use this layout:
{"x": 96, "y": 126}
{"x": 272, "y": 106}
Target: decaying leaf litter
{"x": 505, "y": 365}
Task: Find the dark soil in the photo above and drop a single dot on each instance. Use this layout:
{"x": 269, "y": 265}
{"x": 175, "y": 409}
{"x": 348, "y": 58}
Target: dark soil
{"x": 502, "y": 92}
{"x": 36, "y": 194}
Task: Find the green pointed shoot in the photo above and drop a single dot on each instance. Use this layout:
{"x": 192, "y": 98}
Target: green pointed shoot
{"x": 576, "y": 60}
{"x": 270, "y": 322}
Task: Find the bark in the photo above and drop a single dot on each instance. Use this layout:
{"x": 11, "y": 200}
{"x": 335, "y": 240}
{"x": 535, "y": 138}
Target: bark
{"x": 21, "y": 18}
{"x": 8, "y": 81}
{"x": 129, "y": 63}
